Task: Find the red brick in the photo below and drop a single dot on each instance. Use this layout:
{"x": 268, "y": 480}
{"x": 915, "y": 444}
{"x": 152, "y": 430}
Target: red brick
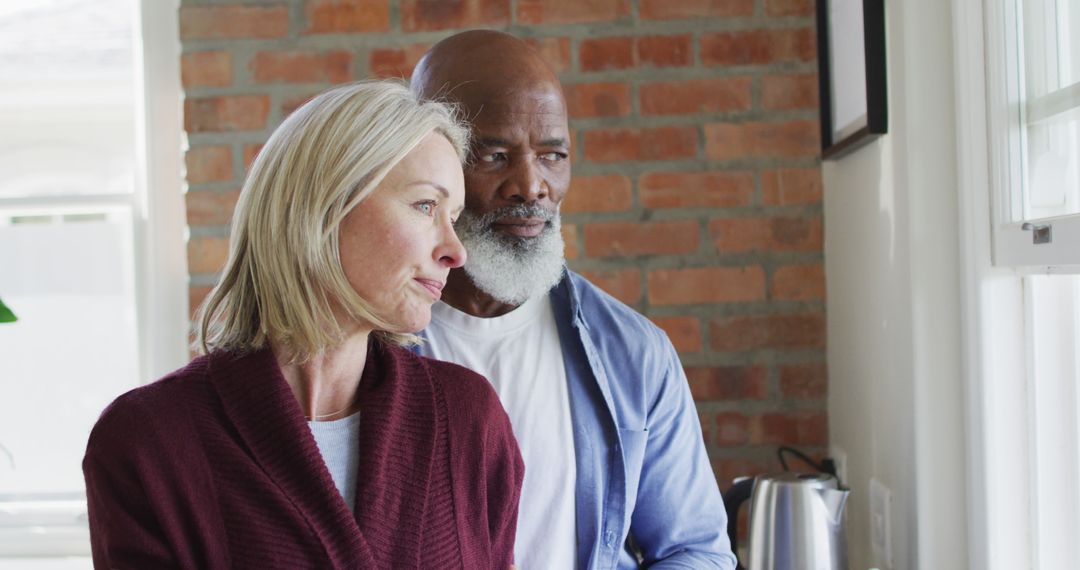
{"x": 555, "y": 51}
{"x": 803, "y": 381}
{"x": 641, "y": 238}
{"x": 697, "y": 285}
{"x": 251, "y": 150}
{"x": 427, "y": 15}
{"x": 584, "y": 100}
{"x": 228, "y": 113}
{"x": 606, "y": 53}
{"x": 728, "y": 469}
{"x": 206, "y": 69}
{"x": 294, "y": 102}
{"x": 209, "y": 207}
{"x": 789, "y": 7}
{"x": 790, "y": 91}
{"x": 758, "y": 47}
{"x": 630, "y": 144}
{"x": 196, "y": 296}
{"x": 531, "y": 12}
{"x": 791, "y": 186}
{"x": 791, "y": 428}
{"x": 727, "y": 383}
{"x": 761, "y": 332}
{"x": 395, "y": 61}
{"x": 736, "y": 235}
{"x": 302, "y": 67}
{"x": 602, "y": 193}
{"x": 209, "y": 164}
{"x": 671, "y": 10}
{"x": 601, "y": 54}
{"x": 791, "y": 139}
{"x": 732, "y": 428}
{"x": 665, "y": 51}
{"x": 798, "y": 283}
{"x": 222, "y": 22}
{"x": 569, "y": 235}
{"x": 721, "y": 189}
{"x": 623, "y": 284}
{"x": 207, "y": 254}
{"x": 695, "y": 96}
{"x": 345, "y": 16}
{"x": 684, "y": 332}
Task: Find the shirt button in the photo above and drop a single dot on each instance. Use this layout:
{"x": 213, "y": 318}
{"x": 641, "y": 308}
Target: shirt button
{"x": 609, "y": 538}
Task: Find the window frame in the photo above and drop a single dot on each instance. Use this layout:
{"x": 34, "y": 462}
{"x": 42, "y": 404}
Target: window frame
{"x": 51, "y": 525}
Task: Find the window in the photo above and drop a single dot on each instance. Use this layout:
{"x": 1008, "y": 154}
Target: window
{"x": 91, "y": 244}
{"x": 1019, "y": 149}
{"x": 1034, "y": 51}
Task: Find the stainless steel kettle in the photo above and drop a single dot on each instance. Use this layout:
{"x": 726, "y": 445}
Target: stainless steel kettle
{"x": 796, "y": 521}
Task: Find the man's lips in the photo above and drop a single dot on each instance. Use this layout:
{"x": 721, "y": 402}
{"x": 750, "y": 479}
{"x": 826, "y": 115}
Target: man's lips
{"x": 521, "y": 227}
{"x": 434, "y": 287}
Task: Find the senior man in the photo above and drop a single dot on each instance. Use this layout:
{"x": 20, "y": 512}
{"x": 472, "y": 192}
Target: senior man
{"x": 616, "y": 474}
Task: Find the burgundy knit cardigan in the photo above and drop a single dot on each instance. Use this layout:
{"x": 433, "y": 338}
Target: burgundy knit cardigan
{"x": 214, "y": 467}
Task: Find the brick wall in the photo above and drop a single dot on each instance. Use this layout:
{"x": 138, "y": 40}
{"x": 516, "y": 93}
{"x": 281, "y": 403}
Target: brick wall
{"x": 696, "y": 195}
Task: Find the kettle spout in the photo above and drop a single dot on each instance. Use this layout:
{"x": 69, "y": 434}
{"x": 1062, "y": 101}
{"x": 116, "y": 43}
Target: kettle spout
{"x": 835, "y": 500}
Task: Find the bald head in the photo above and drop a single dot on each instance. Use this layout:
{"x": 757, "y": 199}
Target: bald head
{"x": 481, "y": 66}
{"x": 518, "y": 169}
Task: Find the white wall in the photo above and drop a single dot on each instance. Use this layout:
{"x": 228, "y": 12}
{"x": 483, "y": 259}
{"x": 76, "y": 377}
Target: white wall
{"x": 891, "y": 251}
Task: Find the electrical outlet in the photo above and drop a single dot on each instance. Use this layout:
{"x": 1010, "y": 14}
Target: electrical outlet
{"x": 839, "y": 457}
{"x": 880, "y": 520}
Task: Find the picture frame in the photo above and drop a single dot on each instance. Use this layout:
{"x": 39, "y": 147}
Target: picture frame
{"x": 851, "y": 74}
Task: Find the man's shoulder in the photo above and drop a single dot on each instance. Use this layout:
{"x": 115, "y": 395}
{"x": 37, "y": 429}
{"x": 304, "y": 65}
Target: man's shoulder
{"x": 598, "y": 309}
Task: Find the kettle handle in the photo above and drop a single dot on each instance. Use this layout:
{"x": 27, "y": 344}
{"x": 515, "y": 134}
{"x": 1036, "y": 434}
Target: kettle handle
{"x": 735, "y": 496}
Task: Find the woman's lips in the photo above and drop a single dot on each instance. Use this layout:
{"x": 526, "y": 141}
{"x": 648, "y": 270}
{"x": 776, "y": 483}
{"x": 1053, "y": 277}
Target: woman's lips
{"x": 432, "y": 286}
{"x": 521, "y": 227}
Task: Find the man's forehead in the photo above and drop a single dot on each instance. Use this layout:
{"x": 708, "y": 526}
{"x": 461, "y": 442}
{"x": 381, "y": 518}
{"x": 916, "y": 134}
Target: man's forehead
{"x": 516, "y": 108}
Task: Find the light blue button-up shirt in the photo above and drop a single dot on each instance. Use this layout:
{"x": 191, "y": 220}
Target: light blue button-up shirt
{"x": 642, "y": 470}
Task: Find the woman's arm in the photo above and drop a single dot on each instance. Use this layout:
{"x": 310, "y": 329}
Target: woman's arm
{"x": 124, "y": 532}
{"x": 132, "y": 494}
{"x": 506, "y": 470}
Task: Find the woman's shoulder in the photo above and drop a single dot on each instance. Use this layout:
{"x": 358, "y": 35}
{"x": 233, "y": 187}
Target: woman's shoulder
{"x": 159, "y": 407}
{"x": 461, "y": 386}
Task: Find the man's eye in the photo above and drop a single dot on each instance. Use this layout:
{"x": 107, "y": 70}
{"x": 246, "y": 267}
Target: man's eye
{"x": 493, "y": 157}
{"x": 553, "y": 156}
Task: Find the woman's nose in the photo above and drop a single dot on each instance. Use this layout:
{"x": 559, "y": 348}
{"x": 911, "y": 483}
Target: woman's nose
{"x": 451, "y": 252}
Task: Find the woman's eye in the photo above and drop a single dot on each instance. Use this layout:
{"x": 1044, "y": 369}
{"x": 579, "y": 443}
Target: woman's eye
{"x": 427, "y": 207}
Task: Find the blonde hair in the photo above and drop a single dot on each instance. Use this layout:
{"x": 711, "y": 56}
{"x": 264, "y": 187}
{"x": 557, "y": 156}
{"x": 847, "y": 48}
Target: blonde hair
{"x": 283, "y": 279}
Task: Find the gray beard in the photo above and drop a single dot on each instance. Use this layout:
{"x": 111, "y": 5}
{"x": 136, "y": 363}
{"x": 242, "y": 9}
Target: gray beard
{"x": 512, "y": 269}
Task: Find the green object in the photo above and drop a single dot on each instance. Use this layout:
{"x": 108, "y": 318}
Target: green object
{"x": 6, "y": 316}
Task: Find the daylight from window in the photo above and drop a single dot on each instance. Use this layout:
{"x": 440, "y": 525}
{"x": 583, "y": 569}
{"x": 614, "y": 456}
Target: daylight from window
{"x": 67, "y": 201}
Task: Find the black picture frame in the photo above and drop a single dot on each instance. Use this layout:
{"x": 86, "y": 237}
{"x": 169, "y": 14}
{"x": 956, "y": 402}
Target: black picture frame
{"x": 861, "y": 124}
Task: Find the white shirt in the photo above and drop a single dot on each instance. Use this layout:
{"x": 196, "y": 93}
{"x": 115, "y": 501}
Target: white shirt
{"x": 521, "y": 355}
{"x": 338, "y": 442}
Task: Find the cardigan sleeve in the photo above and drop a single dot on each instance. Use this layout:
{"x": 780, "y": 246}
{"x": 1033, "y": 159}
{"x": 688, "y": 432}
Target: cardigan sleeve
{"x": 506, "y": 470}
{"x": 124, "y": 530}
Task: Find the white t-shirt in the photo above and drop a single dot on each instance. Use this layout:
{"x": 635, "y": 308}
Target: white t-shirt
{"x": 338, "y": 441}
{"x": 520, "y": 354}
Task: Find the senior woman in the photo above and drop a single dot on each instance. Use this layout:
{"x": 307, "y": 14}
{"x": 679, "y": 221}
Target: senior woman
{"x": 306, "y": 436}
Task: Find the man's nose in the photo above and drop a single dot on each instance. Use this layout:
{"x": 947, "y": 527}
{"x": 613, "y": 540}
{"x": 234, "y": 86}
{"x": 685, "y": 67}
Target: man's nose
{"x": 526, "y": 182}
